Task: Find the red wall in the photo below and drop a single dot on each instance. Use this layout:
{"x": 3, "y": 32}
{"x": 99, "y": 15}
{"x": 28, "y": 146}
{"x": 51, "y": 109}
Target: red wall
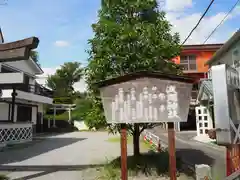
{"x": 201, "y": 58}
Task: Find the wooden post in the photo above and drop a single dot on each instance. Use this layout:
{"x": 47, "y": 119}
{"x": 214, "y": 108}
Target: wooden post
{"x": 172, "y": 151}
{"x": 124, "y": 174}
{"x": 54, "y": 116}
{"x": 69, "y": 114}
{"x": 13, "y": 104}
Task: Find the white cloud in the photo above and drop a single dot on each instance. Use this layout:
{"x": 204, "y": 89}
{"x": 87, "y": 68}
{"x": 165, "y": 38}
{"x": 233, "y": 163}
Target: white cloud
{"x": 186, "y": 23}
{"x": 183, "y": 23}
{"x": 61, "y": 43}
{"x": 80, "y": 86}
{"x": 42, "y": 79}
{"x": 177, "y": 5}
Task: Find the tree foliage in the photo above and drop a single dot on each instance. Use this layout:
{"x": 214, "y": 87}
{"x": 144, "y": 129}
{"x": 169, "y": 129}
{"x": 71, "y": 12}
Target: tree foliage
{"x": 35, "y": 56}
{"x": 63, "y": 80}
{"x": 79, "y": 112}
{"x": 129, "y": 36}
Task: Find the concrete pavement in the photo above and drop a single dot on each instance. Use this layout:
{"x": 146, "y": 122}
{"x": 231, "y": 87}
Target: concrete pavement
{"x": 62, "y": 157}
{"x": 194, "y": 152}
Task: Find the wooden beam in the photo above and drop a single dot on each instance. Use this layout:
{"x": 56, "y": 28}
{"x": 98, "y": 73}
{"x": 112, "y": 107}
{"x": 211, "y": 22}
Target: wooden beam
{"x": 30, "y": 43}
{"x": 18, "y": 50}
{"x": 14, "y": 54}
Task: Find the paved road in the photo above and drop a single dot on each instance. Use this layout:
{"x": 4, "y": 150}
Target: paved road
{"x": 198, "y": 153}
{"x": 59, "y": 157}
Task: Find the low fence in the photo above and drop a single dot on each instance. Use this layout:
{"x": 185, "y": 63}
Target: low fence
{"x": 14, "y": 133}
{"x": 150, "y": 137}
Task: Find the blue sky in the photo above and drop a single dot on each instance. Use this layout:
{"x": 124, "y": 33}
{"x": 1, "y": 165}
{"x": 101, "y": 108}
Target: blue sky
{"x": 64, "y": 26}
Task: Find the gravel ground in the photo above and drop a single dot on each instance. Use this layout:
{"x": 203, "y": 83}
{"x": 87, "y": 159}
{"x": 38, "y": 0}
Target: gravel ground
{"x": 93, "y": 174}
{"x": 70, "y": 156}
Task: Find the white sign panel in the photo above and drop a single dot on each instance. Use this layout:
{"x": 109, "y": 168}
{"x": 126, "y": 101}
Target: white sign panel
{"x": 225, "y": 80}
{"x": 146, "y": 100}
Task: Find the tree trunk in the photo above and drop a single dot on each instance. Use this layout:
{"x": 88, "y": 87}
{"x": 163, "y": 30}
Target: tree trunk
{"x": 136, "y": 144}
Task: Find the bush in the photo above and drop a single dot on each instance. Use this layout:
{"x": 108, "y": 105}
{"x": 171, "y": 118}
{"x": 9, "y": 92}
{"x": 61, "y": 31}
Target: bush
{"x": 82, "y": 108}
{"x": 148, "y": 164}
{"x": 79, "y": 113}
{"x": 4, "y": 177}
{"x": 94, "y": 118}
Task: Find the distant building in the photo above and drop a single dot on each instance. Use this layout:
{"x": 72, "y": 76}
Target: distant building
{"x": 22, "y": 98}
{"x": 193, "y": 59}
{"x": 228, "y": 54}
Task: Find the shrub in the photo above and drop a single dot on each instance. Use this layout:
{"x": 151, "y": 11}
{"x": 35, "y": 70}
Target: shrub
{"x": 4, "y": 177}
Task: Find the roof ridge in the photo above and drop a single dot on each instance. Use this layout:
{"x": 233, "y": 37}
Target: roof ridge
{"x": 1, "y": 36}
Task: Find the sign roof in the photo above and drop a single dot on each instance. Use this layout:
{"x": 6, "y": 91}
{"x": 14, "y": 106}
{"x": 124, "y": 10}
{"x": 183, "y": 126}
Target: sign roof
{"x": 142, "y": 74}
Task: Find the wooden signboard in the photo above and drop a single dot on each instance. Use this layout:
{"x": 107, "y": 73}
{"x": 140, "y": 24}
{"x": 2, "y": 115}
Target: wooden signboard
{"x": 146, "y": 97}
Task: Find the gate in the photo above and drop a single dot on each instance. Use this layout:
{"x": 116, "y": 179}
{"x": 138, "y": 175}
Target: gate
{"x": 203, "y": 120}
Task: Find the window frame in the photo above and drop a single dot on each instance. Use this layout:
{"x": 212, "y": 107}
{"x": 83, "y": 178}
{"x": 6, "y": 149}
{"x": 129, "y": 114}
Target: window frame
{"x": 188, "y": 61}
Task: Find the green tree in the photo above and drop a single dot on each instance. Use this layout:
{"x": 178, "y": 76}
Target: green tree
{"x": 83, "y": 105}
{"x": 35, "y": 56}
{"x": 63, "y": 80}
{"x": 130, "y": 35}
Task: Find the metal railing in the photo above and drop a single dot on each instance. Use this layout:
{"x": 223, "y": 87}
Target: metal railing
{"x": 35, "y": 89}
{"x": 151, "y": 137}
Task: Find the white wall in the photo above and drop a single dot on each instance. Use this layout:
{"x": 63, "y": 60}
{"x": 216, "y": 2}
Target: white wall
{"x": 227, "y": 58}
{"x": 32, "y": 81}
{"x": 21, "y": 95}
{"x": 11, "y": 78}
{"x": 3, "y": 111}
{"x": 21, "y": 65}
{"x": 33, "y": 97}
{"x": 34, "y": 115}
{"x": 40, "y": 108}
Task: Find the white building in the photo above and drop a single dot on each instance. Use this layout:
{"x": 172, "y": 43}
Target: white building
{"x": 22, "y": 98}
{"x": 228, "y": 54}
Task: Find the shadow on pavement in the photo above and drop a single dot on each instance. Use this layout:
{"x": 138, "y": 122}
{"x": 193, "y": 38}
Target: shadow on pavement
{"x": 44, "y": 169}
{"x": 22, "y": 153}
{"x": 194, "y": 156}
{"x": 191, "y": 157}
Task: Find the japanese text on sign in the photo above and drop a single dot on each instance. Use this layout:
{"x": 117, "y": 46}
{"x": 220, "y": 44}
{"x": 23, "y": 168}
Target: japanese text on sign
{"x": 147, "y": 105}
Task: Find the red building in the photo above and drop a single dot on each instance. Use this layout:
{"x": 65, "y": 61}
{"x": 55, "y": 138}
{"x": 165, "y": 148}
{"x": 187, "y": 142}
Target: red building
{"x": 193, "y": 59}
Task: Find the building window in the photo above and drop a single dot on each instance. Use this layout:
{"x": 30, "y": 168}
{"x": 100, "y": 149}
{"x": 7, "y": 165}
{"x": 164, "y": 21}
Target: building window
{"x": 188, "y": 62}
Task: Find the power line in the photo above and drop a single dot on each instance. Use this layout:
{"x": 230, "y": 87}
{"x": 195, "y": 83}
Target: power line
{"x": 198, "y": 21}
{"x": 225, "y": 17}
